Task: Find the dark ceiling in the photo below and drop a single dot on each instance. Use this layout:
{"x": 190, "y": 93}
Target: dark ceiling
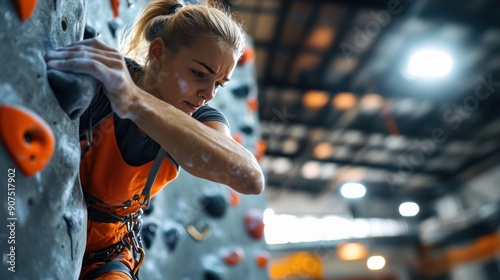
{"x": 336, "y": 105}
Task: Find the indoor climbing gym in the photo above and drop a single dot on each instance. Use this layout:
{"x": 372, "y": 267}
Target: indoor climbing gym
{"x": 250, "y": 140}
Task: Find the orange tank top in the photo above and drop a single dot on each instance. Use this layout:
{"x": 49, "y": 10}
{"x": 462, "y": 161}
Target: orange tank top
{"x": 108, "y": 178}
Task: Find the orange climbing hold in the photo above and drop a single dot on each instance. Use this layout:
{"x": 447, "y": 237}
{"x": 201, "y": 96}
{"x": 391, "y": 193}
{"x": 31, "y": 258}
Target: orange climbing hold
{"x": 248, "y": 56}
{"x": 262, "y": 260}
{"x": 235, "y": 197}
{"x": 238, "y": 137}
{"x": 115, "y": 5}
{"x": 260, "y": 149}
{"x": 28, "y": 139}
{"x": 253, "y": 104}
{"x": 234, "y": 257}
{"x": 254, "y": 223}
{"x": 25, "y": 8}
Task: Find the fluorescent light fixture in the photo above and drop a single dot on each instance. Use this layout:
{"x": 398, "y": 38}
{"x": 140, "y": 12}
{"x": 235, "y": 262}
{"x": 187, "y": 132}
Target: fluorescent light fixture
{"x": 408, "y": 209}
{"x": 429, "y": 63}
{"x": 376, "y": 263}
{"x": 287, "y": 228}
{"x": 353, "y": 190}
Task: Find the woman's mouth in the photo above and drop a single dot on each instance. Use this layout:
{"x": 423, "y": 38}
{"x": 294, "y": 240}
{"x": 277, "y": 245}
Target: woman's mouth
{"x": 192, "y": 106}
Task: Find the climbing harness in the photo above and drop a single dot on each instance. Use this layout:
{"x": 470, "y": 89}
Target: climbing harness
{"x": 100, "y": 211}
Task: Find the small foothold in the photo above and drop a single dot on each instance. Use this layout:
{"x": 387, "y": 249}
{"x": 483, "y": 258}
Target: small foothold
{"x": 248, "y": 56}
{"x": 262, "y": 260}
{"x": 246, "y": 129}
{"x": 148, "y": 233}
{"x": 253, "y": 104}
{"x": 260, "y": 149}
{"x": 215, "y": 205}
{"x": 113, "y": 27}
{"x": 90, "y": 32}
{"x": 242, "y": 91}
{"x": 211, "y": 275}
{"x": 234, "y": 257}
{"x": 254, "y": 222}
{"x": 171, "y": 238}
{"x": 238, "y": 137}
{"x": 198, "y": 230}
{"x": 235, "y": 197}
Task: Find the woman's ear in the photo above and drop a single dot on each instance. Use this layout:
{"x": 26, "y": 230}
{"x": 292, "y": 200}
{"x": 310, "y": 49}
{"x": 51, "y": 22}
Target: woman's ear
{"x": 156, "y": 51}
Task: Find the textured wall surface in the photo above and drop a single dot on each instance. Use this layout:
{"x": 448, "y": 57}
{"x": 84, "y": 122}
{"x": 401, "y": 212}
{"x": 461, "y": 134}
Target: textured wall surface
{"x": 47, "y": 240}
{"x": 42, "y": 234}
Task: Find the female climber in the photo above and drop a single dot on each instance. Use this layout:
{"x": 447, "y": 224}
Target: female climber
{"x": 150, "y": 118}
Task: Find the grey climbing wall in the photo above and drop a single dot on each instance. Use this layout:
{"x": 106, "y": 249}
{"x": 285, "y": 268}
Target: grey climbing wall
{"x": 42, "y": 211}
{"x": 42, "y": 228}
{"x": 198, "y": 229}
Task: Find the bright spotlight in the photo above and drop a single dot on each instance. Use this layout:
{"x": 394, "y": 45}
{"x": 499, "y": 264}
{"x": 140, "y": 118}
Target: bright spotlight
{"x": 376, "y": 263}
{"x": 353, "y": 190}
{"x": 408, "y": 209}
{"x": 429, "y": 64}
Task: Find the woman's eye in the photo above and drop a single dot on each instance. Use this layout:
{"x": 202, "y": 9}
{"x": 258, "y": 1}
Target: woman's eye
{"x": 198, "y": 74}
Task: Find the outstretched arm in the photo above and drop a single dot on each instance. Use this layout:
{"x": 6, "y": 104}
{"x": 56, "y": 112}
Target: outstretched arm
{"x": 203, "y": 150}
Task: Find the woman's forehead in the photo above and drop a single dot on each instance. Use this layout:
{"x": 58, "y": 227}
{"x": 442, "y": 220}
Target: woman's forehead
{"x": 217, "y": 56}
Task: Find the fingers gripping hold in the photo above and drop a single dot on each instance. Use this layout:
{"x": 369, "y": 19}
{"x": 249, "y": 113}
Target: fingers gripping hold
{"x": 94, "y": 58}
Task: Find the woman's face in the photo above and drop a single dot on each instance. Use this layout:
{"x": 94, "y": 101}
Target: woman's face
{"x": 190, "y": 78}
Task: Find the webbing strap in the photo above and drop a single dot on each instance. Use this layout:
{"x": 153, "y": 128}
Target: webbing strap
{"x": 146, "y": 192}
{"x": 109, "y": 267}
{"x": 106, "y": 217}
{"x": 103, "y": 217}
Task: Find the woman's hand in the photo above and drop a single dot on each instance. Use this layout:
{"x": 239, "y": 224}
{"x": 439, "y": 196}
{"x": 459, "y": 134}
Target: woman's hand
{"x": 94, "y": 58}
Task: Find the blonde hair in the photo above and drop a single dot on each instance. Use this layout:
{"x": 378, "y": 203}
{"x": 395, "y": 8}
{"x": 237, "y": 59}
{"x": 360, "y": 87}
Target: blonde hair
{"x": 182, "y": 28}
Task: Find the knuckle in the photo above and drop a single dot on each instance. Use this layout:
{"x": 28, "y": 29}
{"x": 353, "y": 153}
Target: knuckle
{"x": 81, "y": 48}
{"x": 93, "y": 66}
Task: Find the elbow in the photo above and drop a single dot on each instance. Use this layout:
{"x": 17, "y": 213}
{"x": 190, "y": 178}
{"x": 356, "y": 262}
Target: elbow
{"x": 254, "y": 184}
{"x": 257, "y": 187}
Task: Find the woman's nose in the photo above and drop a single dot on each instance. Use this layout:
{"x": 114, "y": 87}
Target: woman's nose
{"x": 208, "y": 93}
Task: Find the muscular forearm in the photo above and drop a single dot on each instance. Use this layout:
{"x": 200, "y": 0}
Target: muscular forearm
{"x": 199, "y": 149}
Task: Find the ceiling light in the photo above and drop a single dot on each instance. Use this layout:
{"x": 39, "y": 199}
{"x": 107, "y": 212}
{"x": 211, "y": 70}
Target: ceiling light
{"x": 290, "y": 146}
{"x": 371, "y": 102}
{"x": 321, "y": 37}
{"x": 351, "y": 251}
{"x": 297, "y": 130}
{"x": 376, "y": 263}
{"x": 281, "y": 165}
{"x": 315, "y": 99}
{"x": 350, "y": 174}
{"x": 408, "y": 209}
{"x": 429, "y": 63}
{"x": 344, "y": 101}
{"x": 323, "y": 150}
{"x": 353, "y": 190}
{"x": 327, "y": 171}
{"x": 310, "y": 170}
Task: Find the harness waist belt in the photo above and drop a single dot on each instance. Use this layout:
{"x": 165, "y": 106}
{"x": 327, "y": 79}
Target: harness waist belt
{"x": 97, "y": 215}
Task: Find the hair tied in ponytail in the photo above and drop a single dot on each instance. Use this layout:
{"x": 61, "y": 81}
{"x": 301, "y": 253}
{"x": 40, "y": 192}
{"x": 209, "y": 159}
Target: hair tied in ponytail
{"x": 174, "y": 9}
